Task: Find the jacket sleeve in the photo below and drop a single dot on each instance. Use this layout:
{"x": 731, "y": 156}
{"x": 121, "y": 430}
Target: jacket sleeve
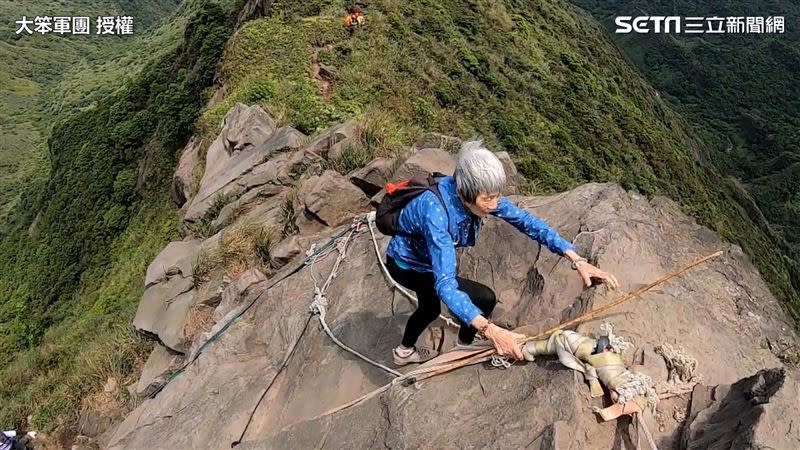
{"x": 534, "y": 227}
{"x": 432, "y": 220}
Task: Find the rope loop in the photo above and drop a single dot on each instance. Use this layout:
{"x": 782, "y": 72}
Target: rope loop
{"x": 319, "y": 304}
{"x": 501, "y": 362}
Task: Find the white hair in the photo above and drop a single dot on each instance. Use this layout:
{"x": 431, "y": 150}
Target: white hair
{"x": 478, "y": 171}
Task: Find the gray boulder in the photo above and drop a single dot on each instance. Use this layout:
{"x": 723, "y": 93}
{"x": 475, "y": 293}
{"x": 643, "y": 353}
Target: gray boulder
{"x": 285, "y": 251}
{"x": 246, "y": 203}
{"x": 332, "y": 141}
{"x": 233, "y": 292}
{"x": 159, "y": 365}
{"x": 330, "y": 200}
{"x": 326, "y": 144}
{"x": 162, "y": 312}
{"x": 374, "y": 176}
{"x": 178, "y": 258}
{"x": 248, "y": 139}
{"x": 245, "y": 126}
{"x": 513, "y": 178}
{"x": 186, "y": 177}
{"x": 210, "y": 292}
{"x": 273, "y": 171}
{"x": 449, "y": 144}
{"x": 426, "y": 161}
{"x": 754, "y": 412}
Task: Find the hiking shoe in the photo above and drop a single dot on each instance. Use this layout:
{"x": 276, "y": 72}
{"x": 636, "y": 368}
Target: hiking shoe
{"x": 419, "y": 355}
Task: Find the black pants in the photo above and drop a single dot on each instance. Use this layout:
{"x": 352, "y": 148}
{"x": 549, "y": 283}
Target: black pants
{"x": 428, "y": 307}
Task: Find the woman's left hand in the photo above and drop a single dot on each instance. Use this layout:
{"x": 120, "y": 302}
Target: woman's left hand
{"x": 588, "y": 271}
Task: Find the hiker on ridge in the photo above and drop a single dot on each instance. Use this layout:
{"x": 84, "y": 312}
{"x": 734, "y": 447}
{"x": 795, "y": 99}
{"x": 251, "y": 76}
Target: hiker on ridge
{"x": 422, "y": 256}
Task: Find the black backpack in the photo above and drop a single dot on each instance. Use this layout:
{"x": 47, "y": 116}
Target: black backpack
{"x": 397, "y": 197}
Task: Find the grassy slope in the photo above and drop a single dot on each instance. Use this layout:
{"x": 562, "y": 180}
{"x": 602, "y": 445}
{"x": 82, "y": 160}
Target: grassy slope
{"x": 742, "y": 91}
{"x": 535, "y": 78}
{"x": 93, "y": 341}
{"x": 43, "y": 71}
{"x": 76, "y": 248}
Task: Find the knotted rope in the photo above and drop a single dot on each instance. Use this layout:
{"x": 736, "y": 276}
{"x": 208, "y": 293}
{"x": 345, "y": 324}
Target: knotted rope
{"x": 320, "y": 303}
{"x": 631, "y": 386}
{"x": 618, "y": 343}
{"x": 682, "y": 368}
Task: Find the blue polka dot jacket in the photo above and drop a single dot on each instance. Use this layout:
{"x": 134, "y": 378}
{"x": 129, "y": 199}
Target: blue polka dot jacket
{"x": 433, "y": 240}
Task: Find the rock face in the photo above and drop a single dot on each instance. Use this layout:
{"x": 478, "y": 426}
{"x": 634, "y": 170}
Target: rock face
{"x": 513, "y": 178}
{"x": 249, "y": 138}
{"x": 331, "y": 200}
{"x": 168, "y": 294}
{"x": 177, "y": 259}
{"x": 425, "y": 161}
{"x": 438, "y": 141}
{"x": 273, "y": 371}
{"x": 332, "y": 142}
{"x": 374, "y": 176}
{"x": 236, "y": 290}
{"x": 155, "y": 371}
{"x": 755, "y": 412}
{"x": 186, "y": 175}
{"x": 163, "y": 309}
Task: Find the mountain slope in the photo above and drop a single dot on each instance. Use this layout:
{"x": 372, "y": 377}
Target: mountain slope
{"x": 741, "y": 90}
{"x": 74, "y": 247}
{"x": 36, "y": 69}
{"x": 237, "y": 313}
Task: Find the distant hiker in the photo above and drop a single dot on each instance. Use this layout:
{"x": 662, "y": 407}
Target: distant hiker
{"x": 421, "y": 254}
{"x": 353, "y": 18}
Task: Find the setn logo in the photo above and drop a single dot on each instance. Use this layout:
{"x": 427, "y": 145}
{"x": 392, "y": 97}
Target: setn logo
{"x": 626, "y": 24}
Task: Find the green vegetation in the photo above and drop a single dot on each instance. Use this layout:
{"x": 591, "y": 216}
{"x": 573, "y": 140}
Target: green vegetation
{"x": 41, "y": 75}
{"x": 94, "y": 340}
{"x": 75, "y": 249}
{"x": 534, "y": 78}
{"x": 740, "y": 90}
{"x": 239, "y": 248}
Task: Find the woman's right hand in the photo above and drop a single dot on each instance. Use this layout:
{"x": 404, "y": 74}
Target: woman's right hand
{"x": 506, "y": 343}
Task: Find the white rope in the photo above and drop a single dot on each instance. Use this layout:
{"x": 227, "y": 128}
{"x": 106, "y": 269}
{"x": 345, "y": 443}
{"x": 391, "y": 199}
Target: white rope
{"x": 682, "y": 371}
{"x": 640, "y": 422}
{"x": 618, "y": 343}
{"x": 406, "y": 292}
{"x": 501, "y": 361}
{"x": 319, "y": 308}
{"x": 682, "y": 367}
{"x": 636, "y": 384}
{"x": 320, "y": 303}
{"x": 311, "y": 250}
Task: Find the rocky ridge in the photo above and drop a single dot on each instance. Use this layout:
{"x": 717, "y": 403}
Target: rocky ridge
{"x": 263, "y": 194}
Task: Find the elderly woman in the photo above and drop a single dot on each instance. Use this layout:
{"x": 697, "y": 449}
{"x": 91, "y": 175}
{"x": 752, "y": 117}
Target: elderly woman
{"x": 423, "y": 258}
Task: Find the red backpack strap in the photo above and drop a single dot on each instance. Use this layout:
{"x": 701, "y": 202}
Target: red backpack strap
{"x": 391, "y": 188}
